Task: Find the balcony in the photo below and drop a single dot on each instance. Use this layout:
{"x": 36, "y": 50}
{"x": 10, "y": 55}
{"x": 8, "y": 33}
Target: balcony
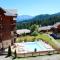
{"x": 13, "y": 22}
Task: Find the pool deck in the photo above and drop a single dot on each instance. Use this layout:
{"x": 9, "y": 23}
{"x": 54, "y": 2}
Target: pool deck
{"x": 26, "y": 47}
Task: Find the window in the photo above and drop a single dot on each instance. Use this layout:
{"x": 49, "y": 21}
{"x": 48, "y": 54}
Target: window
{"x": 14, "y": 18}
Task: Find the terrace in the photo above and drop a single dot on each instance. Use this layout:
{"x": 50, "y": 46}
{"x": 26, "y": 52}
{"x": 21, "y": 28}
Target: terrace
{"x": 25, "y": 49}
{"x": 30, "y": 46}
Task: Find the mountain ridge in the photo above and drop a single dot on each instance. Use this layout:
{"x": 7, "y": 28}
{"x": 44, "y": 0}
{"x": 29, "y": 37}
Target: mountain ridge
{"x": 23, "y": 17}
{"x": 41, "y": 17}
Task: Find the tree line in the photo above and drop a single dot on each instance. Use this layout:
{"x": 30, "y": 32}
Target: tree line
{"x": 41, "y": 22}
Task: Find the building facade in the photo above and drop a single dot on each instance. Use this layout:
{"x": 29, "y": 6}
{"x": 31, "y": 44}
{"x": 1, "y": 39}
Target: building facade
{"x": 7, "y": 27}
{"x": 57, "y": 26}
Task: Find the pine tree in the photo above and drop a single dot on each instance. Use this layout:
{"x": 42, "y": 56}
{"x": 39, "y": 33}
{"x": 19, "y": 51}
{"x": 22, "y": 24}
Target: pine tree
{"x": 15, "y": 54}
{"x": 9, "y": 51}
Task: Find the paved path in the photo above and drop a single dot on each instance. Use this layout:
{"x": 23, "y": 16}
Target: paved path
{"x": 47, "y": 57}
{"x": 3, "y": 57}
{"x": 52, "y": 57}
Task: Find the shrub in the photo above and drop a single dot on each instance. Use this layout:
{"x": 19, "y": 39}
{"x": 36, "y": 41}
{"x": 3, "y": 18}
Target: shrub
{"x": 49, "y": 53}
{"x": 17, "y": 35}
{"x": 33, "y": 39}
{"x": 24, "y": 34}
{"x": 19, "y": 40}
{"x": 34, "y": 28}
{"x": 41, "y": 32}
{"x": 34, "y": 33}
{"x": 25, "y": 40}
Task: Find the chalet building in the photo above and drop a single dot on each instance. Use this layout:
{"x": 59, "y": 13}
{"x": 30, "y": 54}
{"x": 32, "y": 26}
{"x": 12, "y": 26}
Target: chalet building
{"x": 45, "y": 28}
{"x": 7, "y": 27}
{"x": 54, "y": 28}
{"x": 22, "y": 31}
{"x": 57, "y": 26}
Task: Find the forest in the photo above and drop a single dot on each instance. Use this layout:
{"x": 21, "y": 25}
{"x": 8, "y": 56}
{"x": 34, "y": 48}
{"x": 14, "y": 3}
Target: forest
{"x": 38, "y": 20}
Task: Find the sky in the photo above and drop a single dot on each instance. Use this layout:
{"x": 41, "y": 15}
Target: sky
{"x": 32, "y": 7}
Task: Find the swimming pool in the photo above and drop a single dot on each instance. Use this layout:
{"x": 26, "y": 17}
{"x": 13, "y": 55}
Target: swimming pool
{"x": 25, "y": 47}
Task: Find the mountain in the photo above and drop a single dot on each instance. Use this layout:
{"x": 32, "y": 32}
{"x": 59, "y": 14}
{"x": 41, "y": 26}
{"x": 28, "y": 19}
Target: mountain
{"x": 41, "y": 17}
{"x": 43, "y": 20}
{"x": 23, "y": 17}
{"x": 27, "y": 18}
{"x": 46, "y": 16}
{"x": 56, "y": 14}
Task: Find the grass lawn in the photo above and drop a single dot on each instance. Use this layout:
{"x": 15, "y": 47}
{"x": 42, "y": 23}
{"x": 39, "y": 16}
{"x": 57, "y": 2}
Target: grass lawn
{"x": 31, "y": 38}
{"x": 28, "y": 38}
{"x": 58, "y": 40}
{"x": 43, "y": 37}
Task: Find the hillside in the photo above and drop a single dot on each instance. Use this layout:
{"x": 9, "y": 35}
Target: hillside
{"x": 42, "y": 20}
{"x": 27, "y": 18}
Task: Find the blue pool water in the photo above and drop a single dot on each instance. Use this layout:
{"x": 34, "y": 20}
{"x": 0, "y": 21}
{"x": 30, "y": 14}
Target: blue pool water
{"x": 25, "y": 47}
{"x": 39, "y": 45}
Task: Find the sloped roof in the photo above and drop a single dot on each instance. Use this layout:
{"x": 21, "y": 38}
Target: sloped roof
{"x": 56, "y": 25}
{"x": 45, "y": 28}
{"x": 21, "y": 31}
{"x": 9, "y": 12}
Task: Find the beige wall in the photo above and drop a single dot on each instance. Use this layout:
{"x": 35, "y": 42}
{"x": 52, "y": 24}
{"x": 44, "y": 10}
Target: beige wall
{"x": 6, "y": 43}
{"x": 12, "y": 33}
